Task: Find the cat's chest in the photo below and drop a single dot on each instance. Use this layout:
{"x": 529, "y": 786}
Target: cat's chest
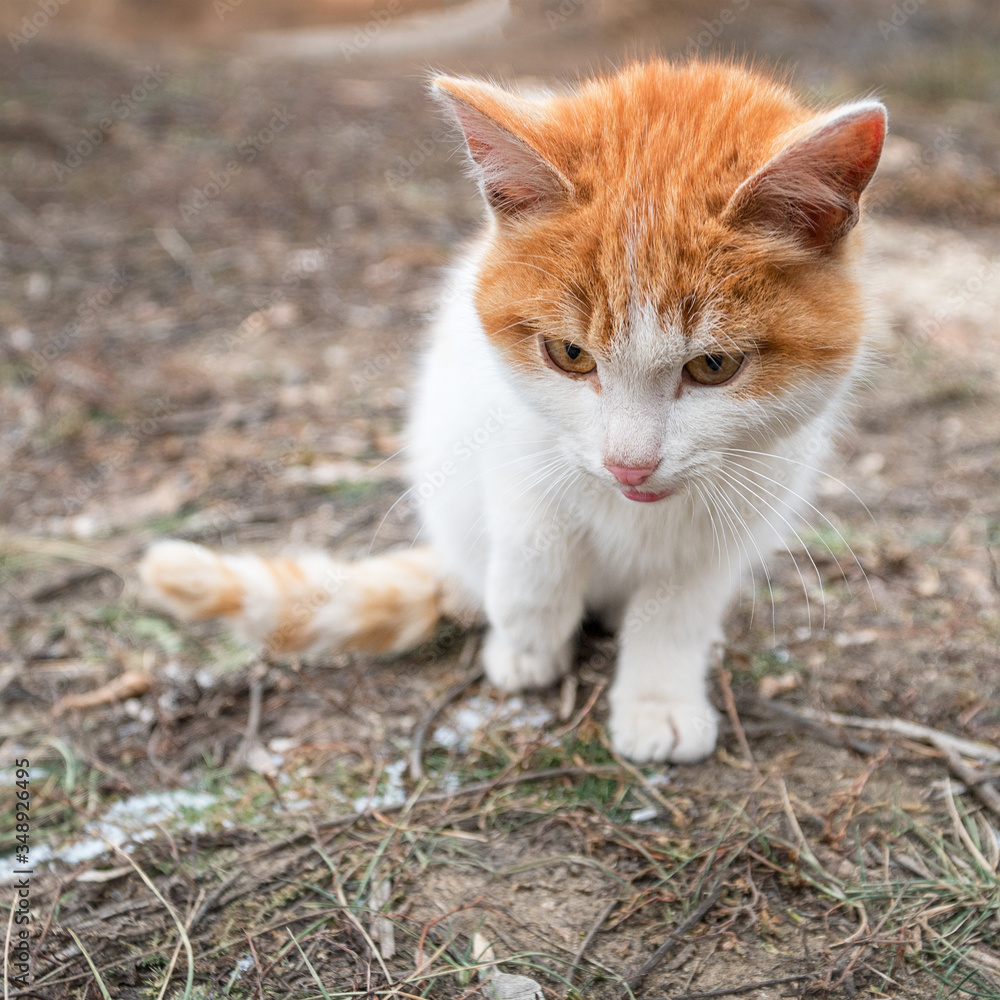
{"x": 629, "y": 543}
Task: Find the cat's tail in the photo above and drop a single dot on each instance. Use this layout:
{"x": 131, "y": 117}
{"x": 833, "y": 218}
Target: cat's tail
{"x": 386, "y": 604}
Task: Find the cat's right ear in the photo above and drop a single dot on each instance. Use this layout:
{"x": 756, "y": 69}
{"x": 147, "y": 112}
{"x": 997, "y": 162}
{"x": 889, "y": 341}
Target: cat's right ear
{"x": 502, "y": 135}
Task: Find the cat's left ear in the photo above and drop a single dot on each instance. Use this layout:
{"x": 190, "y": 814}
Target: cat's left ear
{"x": 502, "y": 134}
{"x": 810, "y": 191}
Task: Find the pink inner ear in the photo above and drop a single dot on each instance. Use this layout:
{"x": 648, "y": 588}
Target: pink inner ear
{"x": 516, "y": 178}
{"x": 811, "y": 190}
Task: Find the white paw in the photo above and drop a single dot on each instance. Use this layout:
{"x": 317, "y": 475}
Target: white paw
{"x": 646, "y": 727}
{"x": 513, "y": 671}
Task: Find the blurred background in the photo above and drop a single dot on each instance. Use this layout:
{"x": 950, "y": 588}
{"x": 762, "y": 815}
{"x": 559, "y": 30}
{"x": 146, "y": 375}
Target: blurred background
{"x": 222, "y": 222}
{"x": 222, "y": 227}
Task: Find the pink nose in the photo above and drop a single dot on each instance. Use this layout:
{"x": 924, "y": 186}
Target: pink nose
{"x": 628, "y": 475}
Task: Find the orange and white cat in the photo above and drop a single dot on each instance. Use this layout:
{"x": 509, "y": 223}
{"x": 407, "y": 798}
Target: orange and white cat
{"x": 623, "y": 406}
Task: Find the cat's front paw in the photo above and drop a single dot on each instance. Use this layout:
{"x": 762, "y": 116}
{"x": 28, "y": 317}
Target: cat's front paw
{"x": 651, "y": 727}
{"x": 514, "y": 671}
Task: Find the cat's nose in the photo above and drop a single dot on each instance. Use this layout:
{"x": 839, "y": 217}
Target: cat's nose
{"x": 630, "y": 475}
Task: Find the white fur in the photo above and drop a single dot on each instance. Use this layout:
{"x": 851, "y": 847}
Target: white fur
{"x": 508, "y": 471}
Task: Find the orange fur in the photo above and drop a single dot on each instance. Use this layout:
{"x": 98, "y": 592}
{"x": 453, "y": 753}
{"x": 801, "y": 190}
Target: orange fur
{"x": 400, "y": 602}
{"x": 653, "y": 157}
{"x": 196, "y": 593}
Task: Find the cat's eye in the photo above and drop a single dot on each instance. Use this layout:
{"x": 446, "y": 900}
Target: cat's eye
{"x": 569, "y": 357}
{"x": 714, "y": 369}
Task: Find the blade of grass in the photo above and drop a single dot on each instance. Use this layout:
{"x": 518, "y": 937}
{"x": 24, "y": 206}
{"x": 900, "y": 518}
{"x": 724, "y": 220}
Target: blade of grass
{"x": 309, "y": 966}
{"x": 93, "y": 968}
{"x": 180, "y": 942}
{"x": 181, "y": 929}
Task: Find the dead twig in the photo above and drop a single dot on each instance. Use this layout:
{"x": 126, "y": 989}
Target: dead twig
{"x": 130, "y": 684}
{"x": 256, "y": 963}
{"x": 591, "y": 934}
{"x": 732, "y": 991}
{"x": 828, "y": 734}
{"x": 725, "y": 682}
{"x": 455, "y": 691}
{"x": 251, "y": 736}
{"x": 674, "y": 938}
{"x": 575, "y": 721}
{"x": 899, "y": 727}
{"x": 978, "y": 784}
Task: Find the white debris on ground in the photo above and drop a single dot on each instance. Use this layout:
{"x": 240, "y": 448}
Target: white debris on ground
{"x": 499, "y": 985}
{"x": 128, "y": 822}
{"x": 393, "y": 793}
{"x": 472, "y": 716}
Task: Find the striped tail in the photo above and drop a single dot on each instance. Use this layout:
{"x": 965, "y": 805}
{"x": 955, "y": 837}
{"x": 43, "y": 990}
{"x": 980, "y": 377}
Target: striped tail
{"x": 387, "y": 604}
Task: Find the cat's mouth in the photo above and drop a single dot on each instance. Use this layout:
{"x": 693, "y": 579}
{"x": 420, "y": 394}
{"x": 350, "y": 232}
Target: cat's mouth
{"x": 646, "y": 496}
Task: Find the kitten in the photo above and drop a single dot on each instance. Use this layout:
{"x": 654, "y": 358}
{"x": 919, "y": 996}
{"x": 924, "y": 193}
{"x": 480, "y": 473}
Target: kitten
{"x": 624, "y": 405}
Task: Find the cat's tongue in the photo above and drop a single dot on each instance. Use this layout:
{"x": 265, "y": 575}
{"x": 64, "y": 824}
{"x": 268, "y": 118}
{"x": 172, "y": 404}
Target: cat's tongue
{"x": 644, "y": 496}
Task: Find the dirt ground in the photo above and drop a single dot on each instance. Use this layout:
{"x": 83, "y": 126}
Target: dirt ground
{"x": 218, "y": 250}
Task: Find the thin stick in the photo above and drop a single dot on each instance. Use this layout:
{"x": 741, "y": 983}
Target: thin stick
{"x": 582, "y": 714}
{"x": 901, "y": 727}
{"x": 679, "y": 818}
{"x": 591, "y": 934}
{"x": 829, "y": 734}
{"x": 251, "y": 736}
{"x": 455, "y": 691}
{"x": 674, "y": 939}
{"x": 978, "y": 784}
{"x": 732, "y": 991}
{"x": 256, "y": 962}
{"x": 725, "y": 679}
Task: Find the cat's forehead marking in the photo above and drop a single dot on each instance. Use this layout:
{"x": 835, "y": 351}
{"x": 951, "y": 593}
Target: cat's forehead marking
{"x": 649, "y": 340}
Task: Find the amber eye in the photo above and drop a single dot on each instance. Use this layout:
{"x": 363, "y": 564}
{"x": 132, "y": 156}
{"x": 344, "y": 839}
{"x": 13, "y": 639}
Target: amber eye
{"x": 570, "y": 357}
{"x": 714, "y": 369}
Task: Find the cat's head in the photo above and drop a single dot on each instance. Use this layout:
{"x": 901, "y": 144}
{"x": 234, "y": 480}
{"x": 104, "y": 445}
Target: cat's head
{"x": 670, "y": 269}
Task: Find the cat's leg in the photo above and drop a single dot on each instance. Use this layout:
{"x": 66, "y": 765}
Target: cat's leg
{"x": 659, "y": 700}
{"x": 534, "y": 603}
